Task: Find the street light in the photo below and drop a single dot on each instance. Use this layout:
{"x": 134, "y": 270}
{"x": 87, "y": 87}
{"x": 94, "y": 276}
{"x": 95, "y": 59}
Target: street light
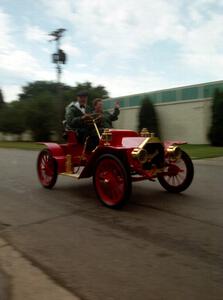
{"x": 59, "y": 57}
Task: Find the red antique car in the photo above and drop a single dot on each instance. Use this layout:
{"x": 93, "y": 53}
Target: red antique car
{"x": 120, "y": 158}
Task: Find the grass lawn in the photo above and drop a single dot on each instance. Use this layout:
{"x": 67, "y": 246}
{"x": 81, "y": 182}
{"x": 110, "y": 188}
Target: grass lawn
{"x": 195, "y": 151}
{"x": 21, "y": 145}
{"x": 202, "y": 151}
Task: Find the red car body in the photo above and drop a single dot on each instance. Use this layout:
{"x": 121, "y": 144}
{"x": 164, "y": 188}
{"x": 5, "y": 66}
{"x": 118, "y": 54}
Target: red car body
{"x": 120, "y": 158}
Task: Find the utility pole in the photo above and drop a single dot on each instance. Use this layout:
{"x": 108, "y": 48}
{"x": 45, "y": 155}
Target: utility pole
{"x": 59, "y": 58}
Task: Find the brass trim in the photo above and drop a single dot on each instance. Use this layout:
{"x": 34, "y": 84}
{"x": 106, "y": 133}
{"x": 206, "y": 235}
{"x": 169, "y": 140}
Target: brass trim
{"x": 174, "y": 152}
{"x": 151, "y": 139}
{"x": 68, "y": 164}
{"x": 140, "y": 154}
{"x": 145, "y": 132}
{"x": 136, "y": 152}
{"x": 143, "y": 143}
{"x": 106, "y": 136}
{"x": 76, "y": 176}
{"x": 82, "y": 156}
{"x": 97, "y": 130}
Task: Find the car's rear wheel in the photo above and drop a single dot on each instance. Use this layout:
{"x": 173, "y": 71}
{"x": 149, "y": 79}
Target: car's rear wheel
{"x": 178, "y": 175}
{"x": 112, "y": 181}
{"x": 47, "y": 169}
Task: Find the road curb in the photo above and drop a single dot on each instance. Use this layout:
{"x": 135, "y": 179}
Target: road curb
{"x": 26, "y": 280}
{"x": 216, "y": 161}
{"x": 4, "y": 278}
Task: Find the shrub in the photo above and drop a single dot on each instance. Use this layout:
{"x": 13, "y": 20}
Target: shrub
{"x": 148, "y": 116}
{"x": 216, "y": 130}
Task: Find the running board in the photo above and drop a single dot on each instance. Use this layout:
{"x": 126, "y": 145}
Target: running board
{"x": 76, "y": 176}
{"x": 73, "y": 175}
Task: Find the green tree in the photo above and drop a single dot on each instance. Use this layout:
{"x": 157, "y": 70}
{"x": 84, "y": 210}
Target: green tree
{"x": 147, "y": 117}
{"x": 44, "y": 103}
{"x": 12, "y": 118}
{"x": 98, "y": 91}
{"x": 40, "y": 107}
{"x": 45, "y": 108}
{"x": 37, "y": 87}
{"x": 39, "y": 116}
{"x": 216, "y": 130}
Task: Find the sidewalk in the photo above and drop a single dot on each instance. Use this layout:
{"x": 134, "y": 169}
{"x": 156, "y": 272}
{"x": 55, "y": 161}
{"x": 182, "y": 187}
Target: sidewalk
{"x": 216, "y": 161}
{"x": 24, "y": 280}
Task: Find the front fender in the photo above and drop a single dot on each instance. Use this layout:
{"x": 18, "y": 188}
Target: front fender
{"x": 167, "y": 144}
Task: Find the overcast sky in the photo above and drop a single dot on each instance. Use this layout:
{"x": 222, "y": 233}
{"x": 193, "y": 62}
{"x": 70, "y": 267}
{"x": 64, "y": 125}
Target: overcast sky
{"x": 129, "y": 46}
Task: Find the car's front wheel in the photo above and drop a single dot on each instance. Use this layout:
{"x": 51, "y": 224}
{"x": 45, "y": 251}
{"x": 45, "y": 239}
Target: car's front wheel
{"x": 112, "y": 181}
{"x": 178, "y": 175}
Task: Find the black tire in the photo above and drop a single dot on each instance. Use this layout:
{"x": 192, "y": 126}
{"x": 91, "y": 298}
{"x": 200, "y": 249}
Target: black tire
{"x": 121, "y": 176}
{"x": 186, "y": 182}
{"x": 47, "y": 182}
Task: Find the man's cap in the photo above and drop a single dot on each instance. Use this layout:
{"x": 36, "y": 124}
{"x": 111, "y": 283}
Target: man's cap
{"x": 82, "y": 93}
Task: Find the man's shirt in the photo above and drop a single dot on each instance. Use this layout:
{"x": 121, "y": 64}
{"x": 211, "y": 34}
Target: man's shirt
{"x": 77, "y": 104}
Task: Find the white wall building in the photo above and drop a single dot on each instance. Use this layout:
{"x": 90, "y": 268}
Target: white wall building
{"x": 184, "y": 113}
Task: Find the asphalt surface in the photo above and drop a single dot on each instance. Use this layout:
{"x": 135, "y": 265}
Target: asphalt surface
{"x": 4, "y": 286}
{"x": 160, "y": 246}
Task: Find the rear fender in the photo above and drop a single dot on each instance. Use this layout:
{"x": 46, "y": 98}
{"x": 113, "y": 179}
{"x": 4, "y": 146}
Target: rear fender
{"x": 57, "y": 153}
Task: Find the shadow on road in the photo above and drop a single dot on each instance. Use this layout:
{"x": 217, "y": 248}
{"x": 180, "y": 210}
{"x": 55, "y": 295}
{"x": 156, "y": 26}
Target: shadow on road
{"x": 144, "y": 195}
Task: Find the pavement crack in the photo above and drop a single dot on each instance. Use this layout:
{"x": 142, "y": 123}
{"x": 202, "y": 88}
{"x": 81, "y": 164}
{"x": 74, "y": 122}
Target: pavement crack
{"x": 41, "y": 221}
{"x": 3, "y": 246}
{"x": 5, "y": 224}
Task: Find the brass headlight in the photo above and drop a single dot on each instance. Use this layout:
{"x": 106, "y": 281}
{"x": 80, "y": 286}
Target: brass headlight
{"x": 140, "y": 154}
{"x": 174, "y": 152}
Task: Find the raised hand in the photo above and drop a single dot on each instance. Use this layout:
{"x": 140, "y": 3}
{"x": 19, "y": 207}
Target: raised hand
{"x": 117, "y": 105}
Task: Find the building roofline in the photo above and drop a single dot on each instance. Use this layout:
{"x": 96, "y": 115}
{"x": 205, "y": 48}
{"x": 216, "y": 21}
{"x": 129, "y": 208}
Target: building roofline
{"x": 168, "y": 89}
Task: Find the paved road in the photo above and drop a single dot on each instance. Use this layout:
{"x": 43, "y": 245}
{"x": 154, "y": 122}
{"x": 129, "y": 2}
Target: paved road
{"x": 4, "y": 286}
{"x": 160, "y": 246}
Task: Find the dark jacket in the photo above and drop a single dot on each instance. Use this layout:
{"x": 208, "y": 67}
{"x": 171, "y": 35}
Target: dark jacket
{"x": 74, "y": 122}
{"x": 73, "y": 116}
{"x": 108, "y": 118}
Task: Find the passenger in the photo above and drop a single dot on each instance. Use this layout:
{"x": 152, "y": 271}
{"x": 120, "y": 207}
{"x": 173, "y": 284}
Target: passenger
{"x": 106, "y": 117}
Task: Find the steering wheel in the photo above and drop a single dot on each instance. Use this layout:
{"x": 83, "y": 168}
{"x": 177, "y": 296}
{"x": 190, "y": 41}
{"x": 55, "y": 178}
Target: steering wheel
{"x": 95, "y": 117}
{"x": 94, "y": 121}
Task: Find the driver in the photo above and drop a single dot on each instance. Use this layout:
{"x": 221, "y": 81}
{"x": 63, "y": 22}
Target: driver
{"x": 76, "y": 116}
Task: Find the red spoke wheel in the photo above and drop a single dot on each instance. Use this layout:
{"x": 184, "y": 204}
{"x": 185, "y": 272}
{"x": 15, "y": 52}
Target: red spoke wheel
{"x": 179, "y": 174}
{"x": 112, "y": 181}
{"x": 47, "y": 169}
